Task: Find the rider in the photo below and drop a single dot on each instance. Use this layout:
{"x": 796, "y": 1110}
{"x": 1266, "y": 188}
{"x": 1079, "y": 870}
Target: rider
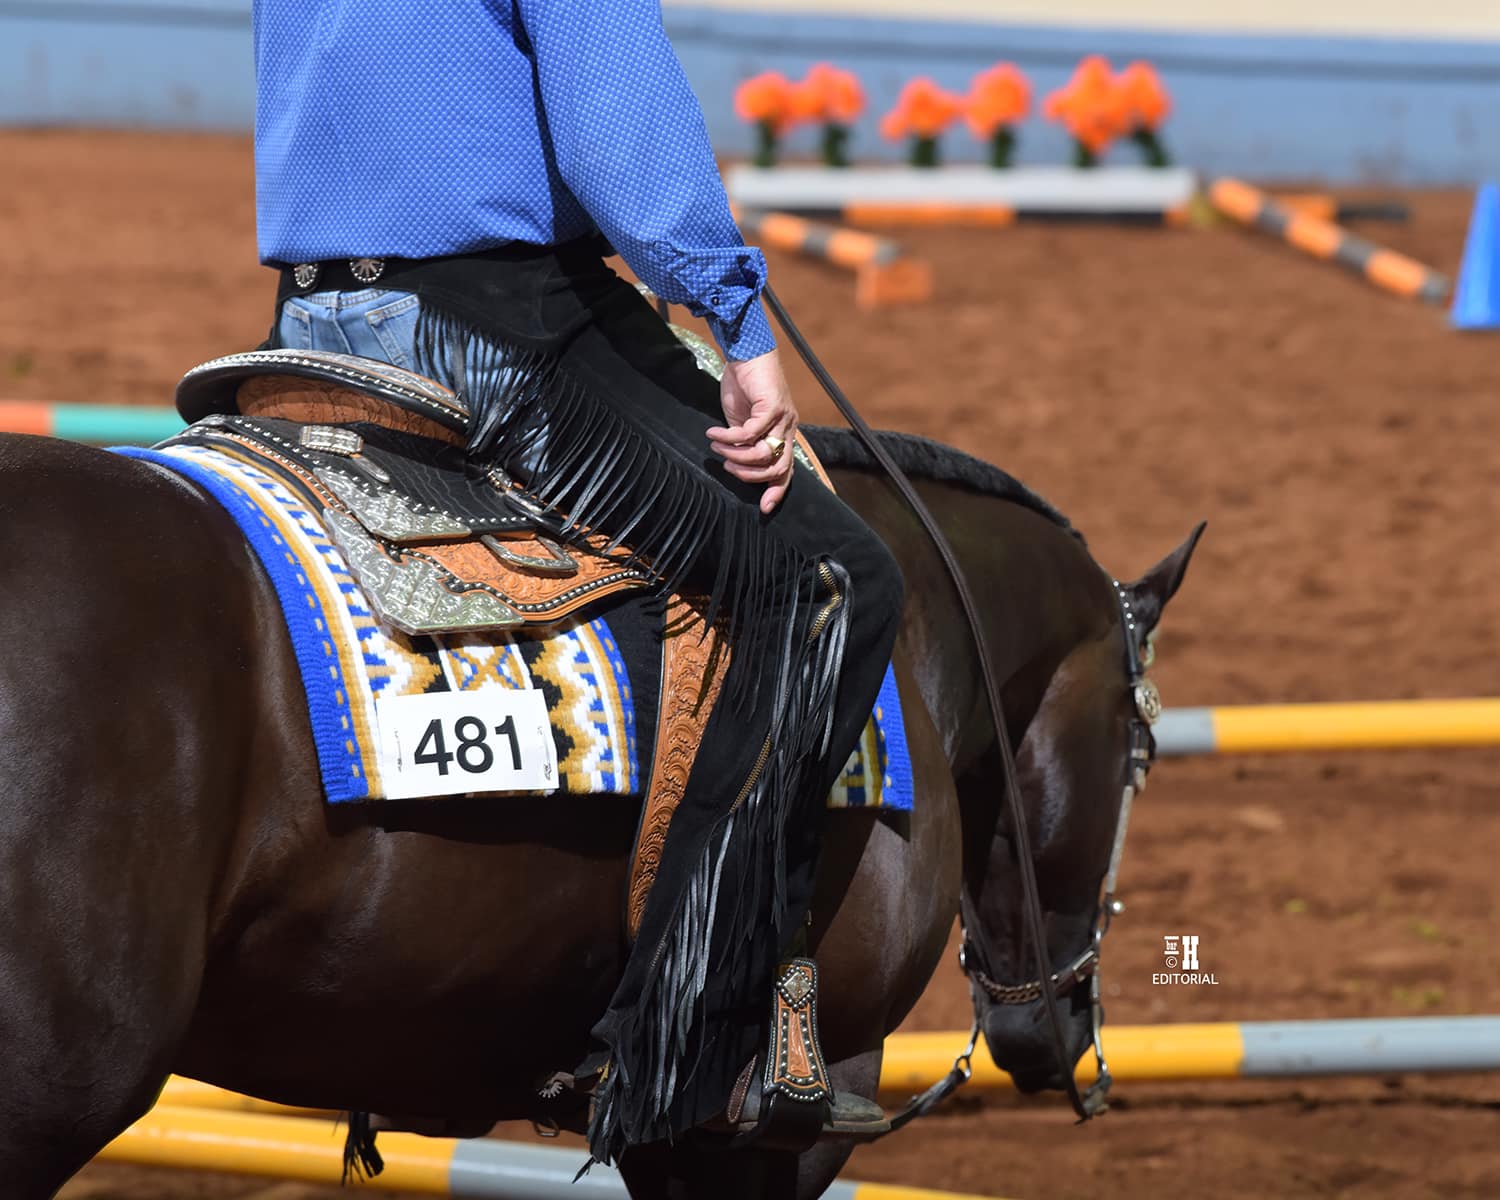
{"x": 439, "y": 184}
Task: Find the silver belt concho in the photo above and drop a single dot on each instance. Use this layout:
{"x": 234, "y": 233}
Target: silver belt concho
{"x": 367, "y": 270}
{"x": 364, "y": 270}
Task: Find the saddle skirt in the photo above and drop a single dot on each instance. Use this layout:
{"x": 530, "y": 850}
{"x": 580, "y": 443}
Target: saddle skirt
{"x": 405, "y": 573}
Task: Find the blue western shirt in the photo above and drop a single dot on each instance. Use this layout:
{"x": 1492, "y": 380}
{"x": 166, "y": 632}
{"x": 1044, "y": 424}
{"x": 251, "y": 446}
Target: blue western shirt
{"x": 405, "y": 129}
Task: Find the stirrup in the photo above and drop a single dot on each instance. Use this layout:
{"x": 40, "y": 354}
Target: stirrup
{"x": 783, "y": 1100}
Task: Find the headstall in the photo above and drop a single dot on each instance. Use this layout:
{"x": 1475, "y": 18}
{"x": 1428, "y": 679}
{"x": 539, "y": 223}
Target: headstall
{"x": 1139, "y": 654}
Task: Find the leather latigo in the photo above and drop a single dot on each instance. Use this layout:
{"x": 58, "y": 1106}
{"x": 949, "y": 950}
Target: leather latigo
{"x": 693, "y": 669}
{"x": 795, "y": 1066}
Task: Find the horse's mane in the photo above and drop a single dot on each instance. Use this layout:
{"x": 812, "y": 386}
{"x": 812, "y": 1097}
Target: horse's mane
{"x": 926, "y": 459}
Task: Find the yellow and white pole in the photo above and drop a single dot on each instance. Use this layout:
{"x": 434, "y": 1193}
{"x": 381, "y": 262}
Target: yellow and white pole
{"x": 311, "y": 1151}
{"x": 1371, "y": 725}
{"x": 1232, "y": 1050}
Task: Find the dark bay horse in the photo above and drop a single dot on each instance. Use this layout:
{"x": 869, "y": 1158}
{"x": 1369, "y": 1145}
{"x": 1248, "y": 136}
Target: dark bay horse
{"x": 178, "y": 897}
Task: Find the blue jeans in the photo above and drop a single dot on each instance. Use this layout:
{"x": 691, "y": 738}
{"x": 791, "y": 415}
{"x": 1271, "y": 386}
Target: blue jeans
{"x": 374, "y": 323}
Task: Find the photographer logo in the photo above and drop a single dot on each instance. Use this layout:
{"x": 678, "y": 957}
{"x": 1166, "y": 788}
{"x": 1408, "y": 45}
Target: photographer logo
{"x": 1180, "y": 956}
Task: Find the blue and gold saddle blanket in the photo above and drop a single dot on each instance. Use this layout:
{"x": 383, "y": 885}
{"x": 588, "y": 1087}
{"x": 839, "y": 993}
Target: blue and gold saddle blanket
{"x": 351, "y": 663}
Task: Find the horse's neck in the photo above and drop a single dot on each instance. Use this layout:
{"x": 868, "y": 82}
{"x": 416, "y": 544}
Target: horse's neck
{"x": 1037, "y": 591}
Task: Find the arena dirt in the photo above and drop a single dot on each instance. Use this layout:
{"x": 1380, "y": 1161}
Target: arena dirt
{"x": 1344, "y": 447}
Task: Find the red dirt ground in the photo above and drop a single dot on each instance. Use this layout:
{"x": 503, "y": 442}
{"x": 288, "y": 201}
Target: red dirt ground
{"x": 1345, "y": 449}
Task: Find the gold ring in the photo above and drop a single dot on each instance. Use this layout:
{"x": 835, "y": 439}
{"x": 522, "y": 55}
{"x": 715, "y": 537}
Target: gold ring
{"x": 775, "y": 445}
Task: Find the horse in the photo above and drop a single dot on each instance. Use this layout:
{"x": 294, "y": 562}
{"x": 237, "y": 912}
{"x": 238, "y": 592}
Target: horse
{"x": 179, "y": 898}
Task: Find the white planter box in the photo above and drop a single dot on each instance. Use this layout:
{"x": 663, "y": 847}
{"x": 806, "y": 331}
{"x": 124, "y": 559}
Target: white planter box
{"x": 1034, "y": 190}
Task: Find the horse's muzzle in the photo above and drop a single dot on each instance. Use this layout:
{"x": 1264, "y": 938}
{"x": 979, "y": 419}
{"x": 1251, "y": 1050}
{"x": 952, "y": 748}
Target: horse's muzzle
{"x": 1020, "y": 1042}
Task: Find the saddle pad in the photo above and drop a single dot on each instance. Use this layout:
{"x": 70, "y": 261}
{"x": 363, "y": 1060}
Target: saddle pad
{"x": 349, "y": 660}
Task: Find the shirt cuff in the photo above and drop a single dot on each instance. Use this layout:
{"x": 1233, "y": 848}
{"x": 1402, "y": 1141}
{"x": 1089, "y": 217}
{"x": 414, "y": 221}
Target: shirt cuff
{"x": 722, "y": 286}
{"x": 749, "y": 336}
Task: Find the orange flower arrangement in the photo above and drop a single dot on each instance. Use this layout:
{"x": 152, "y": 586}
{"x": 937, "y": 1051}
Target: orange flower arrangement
{"x": 998, "y": 100}
{"x": 773, "y": 103}
{"x": 765, "y": 97}
{"x": 1091, "y": 108}
{"x": 1147, "y": 104}
{"x": 1144, "y": 96}
{"x": 922, "y": 112}
{"x": 835, "y": 95}
{"x": 835, "y": 98}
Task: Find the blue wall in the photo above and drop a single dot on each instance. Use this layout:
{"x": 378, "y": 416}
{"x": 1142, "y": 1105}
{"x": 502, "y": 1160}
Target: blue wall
{"x": 1341, "y": 109}
{"x": 177, "y": 63}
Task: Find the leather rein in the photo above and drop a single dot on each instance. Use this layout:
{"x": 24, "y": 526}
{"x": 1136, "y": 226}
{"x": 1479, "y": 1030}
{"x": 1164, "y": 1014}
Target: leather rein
{"x": 1085, "y": 966}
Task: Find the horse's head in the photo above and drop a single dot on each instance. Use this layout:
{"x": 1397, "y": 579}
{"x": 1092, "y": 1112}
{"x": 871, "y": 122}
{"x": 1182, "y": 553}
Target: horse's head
{"x": 1083, "y": 757}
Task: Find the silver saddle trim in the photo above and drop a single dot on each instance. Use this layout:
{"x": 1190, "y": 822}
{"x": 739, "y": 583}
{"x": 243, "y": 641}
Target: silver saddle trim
{"x": 330, "y": 439}
{"x": 387, "y": 515}
{"x": 411, "y": 593}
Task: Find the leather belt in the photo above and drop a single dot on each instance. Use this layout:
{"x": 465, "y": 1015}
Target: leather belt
{"x": 356, "y": 274}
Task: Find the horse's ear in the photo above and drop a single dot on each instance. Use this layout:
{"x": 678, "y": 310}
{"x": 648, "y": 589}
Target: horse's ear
{"x": 1149, "y": 594}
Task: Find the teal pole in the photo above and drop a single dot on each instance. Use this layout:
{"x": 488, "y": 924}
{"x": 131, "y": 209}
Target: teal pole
{"x": 115, "y": 424}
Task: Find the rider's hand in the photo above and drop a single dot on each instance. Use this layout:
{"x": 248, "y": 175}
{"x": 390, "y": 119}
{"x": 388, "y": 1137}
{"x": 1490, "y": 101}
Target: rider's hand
{"x": 757, "y": 404}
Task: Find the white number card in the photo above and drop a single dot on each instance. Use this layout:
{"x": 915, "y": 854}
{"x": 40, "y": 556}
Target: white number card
{"x": 451, "y": 743}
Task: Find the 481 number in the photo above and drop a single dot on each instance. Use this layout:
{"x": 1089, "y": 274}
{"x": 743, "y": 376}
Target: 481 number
{"x": 473, "y": 753}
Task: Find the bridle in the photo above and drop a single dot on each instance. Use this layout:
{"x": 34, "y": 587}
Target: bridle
{"x": 1139, "y": 654}
{"x": 1141, "y": 748}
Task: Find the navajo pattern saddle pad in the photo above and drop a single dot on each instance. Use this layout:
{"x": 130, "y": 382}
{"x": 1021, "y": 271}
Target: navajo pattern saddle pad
{"x": 351, "y": 662}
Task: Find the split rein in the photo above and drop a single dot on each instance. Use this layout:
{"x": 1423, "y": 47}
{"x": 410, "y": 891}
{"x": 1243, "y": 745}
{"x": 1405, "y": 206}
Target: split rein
{"x": 1086, "y": 1105}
